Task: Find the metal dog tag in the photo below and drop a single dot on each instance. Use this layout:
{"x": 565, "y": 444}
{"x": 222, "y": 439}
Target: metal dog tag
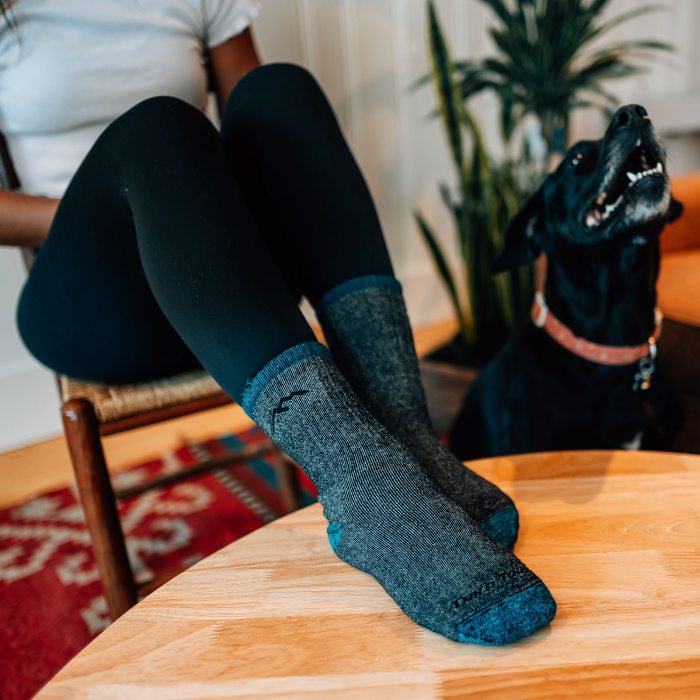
{"x": 647, "y": 365}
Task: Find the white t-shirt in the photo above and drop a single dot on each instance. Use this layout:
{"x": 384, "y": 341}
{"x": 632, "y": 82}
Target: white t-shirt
{"x": 73, "y": 66}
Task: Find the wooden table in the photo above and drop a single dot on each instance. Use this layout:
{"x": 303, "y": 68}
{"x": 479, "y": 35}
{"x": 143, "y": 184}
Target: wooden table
{"x": 616, "y": 537}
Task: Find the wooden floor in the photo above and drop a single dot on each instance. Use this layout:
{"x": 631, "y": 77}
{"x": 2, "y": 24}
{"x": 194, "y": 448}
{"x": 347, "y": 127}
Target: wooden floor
{"x": 46, "y": 465}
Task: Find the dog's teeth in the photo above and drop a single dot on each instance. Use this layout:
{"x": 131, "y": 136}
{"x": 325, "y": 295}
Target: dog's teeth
{"x": 609, "y": 208}
{"x": 659, "y": 167}
{"x": 601, "y": 198}
{"x": 632, "y": 177}
{"x": 593, "y": 218}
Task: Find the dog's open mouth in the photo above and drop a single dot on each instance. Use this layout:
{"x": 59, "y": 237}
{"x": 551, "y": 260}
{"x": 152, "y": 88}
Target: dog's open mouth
{"x": 635, "y": 169}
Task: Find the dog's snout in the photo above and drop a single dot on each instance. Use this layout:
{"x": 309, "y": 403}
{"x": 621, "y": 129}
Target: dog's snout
{"x": 630, "y": 116}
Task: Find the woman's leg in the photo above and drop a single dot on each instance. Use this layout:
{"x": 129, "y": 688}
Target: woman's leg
{"x": 160, "y": 172}
{"x": 300, "y": 179}
{"x": 312, "y": 204}
{"x": 153, "y": 264}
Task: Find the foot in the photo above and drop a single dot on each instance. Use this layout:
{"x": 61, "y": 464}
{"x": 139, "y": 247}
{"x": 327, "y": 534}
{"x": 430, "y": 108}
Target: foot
{"x": 367, "y": 328}
{"x": 483, "y": 501}
{"x": 386, "y": 515}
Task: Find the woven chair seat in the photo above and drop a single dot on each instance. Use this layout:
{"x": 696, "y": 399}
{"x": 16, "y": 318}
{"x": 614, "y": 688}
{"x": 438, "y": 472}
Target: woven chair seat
{"x": 115, "y": 401}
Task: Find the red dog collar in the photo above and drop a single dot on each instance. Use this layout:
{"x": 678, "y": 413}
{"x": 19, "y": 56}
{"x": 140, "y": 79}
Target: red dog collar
{"x": 543, "y": 318}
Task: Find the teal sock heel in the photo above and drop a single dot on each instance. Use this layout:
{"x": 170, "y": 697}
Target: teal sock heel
{"x": 335, "y": 532}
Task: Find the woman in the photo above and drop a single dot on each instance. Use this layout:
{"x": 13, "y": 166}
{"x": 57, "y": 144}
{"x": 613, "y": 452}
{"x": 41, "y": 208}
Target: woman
{"x": 176, "y": 245}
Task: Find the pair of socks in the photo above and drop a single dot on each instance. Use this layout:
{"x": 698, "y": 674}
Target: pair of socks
{"x": 400, "y": 506}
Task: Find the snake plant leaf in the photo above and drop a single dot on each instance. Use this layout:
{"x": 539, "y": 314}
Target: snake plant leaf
{"x": 449, "y": 97}
{"x": 441, "y": 263}
{"x": 508, "y": 109}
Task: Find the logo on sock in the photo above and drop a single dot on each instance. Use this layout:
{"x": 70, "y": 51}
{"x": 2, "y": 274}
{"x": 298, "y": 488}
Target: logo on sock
{"x": 281, "y": 408}
{"x": 501, "y": 577}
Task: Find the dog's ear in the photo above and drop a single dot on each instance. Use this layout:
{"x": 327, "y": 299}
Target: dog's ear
{"x": 675, "y": 210}
{"x": 523, "y": 235}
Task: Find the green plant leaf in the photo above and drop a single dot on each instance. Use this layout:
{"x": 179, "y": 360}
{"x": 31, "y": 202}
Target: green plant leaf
{"x": 500, "y": 9}
{"x": 447, "y": 88}
{"x": 447, "y": 197}
{"x": 616, "y": 21}
{"x": 419, "y": 82}
{"x": 444, "y": 270}
{"x": 547, "y": 63}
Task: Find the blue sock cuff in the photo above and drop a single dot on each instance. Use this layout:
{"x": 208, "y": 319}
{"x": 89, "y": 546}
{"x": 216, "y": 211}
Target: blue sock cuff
{"x": 275, "y": 367}
{"x": 357, "y": 284}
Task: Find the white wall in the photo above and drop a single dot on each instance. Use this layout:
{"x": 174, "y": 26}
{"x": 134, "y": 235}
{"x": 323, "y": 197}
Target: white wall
{"x": 366, "y": 54}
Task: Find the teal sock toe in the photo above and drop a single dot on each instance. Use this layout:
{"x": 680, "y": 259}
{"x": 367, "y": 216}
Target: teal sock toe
{"x": 510, "y": 619}
{"x": 502, "y": 527}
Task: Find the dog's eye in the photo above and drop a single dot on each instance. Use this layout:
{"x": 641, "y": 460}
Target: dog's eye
{"x": 584, "y": 161}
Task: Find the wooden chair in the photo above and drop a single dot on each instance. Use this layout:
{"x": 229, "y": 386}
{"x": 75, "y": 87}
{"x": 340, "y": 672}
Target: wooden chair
{"x": 90, "y": 411}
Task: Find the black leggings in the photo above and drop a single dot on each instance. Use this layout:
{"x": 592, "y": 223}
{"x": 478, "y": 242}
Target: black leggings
{"x": 177, "y": 246}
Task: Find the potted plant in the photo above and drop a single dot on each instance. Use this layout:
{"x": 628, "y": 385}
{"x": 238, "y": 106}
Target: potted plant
{"x": 544, "y": 69}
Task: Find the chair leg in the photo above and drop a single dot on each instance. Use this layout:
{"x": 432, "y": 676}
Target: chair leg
{"x": 286, "y": 472}
{"x": 97, "y": 498}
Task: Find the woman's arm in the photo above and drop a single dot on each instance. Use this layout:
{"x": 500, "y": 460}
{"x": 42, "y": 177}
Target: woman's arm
{"x": 25, "y": 220}
{"x": 230, "y": 61}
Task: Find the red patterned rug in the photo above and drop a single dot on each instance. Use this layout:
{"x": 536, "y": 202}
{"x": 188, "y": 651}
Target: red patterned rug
{"x": 52, "y": 603}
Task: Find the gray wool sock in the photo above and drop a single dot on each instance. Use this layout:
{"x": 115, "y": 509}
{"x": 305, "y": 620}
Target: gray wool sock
{"x": 367, "y": 328}
{"x": 386, "y": 516}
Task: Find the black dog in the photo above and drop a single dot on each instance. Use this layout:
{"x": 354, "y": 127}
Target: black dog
{"x": 564, "y": 382}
